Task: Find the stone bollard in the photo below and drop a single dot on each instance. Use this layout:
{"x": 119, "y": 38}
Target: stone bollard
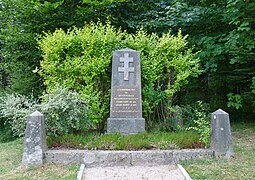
{"x": 221, "y": 138}
{"x": 35, "y": 141}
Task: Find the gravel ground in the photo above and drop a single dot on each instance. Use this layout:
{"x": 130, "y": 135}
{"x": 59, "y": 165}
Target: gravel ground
{"x": 166, "y": 172}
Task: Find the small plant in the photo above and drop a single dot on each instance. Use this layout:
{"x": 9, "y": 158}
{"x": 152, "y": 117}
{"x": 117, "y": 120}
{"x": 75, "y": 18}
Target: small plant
{"x": 201, "y": 123}
{"x": 195, "y": 117}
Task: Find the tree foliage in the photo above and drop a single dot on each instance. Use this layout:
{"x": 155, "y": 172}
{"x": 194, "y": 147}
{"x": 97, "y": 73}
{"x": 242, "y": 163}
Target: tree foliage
{"x": 22, "y": 23}
{"x": 221, "y": 31}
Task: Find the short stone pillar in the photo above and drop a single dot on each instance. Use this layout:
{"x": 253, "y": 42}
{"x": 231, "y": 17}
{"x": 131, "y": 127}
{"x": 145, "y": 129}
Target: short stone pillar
{"x": 221, "y": 138}
{"x": 35, "y": 141}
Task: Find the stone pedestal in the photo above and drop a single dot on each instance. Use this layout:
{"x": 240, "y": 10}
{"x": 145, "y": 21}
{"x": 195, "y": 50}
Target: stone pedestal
{"x": 126, "y": 102}
{"x": 125, "y": 125}
{"x": 221, "y": 138}
{"x": 35, "y": 141}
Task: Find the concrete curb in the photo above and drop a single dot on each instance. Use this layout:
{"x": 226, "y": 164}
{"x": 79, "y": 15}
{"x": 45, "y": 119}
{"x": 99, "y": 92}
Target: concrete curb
{"x": 81, "y": 172}
{"x": 124, "y": 158}
{"x": 184, "y": 172}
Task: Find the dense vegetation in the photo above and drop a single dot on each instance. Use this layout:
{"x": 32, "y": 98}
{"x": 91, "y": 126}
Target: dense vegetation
{"x": 81, "y": 60}
{"x": 220, "y": 33}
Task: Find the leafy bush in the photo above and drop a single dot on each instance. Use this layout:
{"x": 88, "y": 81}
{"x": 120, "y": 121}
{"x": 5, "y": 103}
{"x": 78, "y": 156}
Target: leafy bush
{"x": 65, "y": 112}
{"x": 81, "y": 60}
{"x": 13, "y": 110}
{"x": 202, "y": 127}
{"x": 197, "y": 118}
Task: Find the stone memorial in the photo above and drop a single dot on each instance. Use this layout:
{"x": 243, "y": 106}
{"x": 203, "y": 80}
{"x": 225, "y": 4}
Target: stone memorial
{"x": 221, "y": 138}
{"x": 126, "y": 102}
{"x": 35, "y": 141}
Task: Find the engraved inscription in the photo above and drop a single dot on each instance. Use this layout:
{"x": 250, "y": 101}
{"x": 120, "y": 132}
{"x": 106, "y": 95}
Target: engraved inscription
{"x": 125, "y": 101}
{"x": 126, "y": 69}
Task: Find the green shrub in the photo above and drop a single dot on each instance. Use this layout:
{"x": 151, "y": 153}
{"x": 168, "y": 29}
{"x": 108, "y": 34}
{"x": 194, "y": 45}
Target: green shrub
{"x": 65, "y": 112}
{"x": 13, "y": 110}
{"x": 81, "y": 60}
{"x": 196, "y": 117}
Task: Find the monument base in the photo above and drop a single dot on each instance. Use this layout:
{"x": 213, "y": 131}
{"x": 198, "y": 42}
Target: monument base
{"x": 125, "y": 125}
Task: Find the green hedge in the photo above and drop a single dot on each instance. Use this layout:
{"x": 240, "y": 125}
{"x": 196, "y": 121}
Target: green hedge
{"x": 80, "y": 60}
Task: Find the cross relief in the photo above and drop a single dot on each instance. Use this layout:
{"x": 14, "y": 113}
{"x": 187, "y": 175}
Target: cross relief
{"x": 126, "y": 69}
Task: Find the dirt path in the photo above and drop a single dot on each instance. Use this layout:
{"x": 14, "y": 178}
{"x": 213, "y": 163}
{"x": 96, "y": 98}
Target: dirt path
{"x": 166, "y": 172}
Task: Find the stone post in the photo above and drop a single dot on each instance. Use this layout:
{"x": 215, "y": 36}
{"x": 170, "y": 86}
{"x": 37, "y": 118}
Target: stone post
{"x": 221, "y": 138}
{"x": 35, "y": 141}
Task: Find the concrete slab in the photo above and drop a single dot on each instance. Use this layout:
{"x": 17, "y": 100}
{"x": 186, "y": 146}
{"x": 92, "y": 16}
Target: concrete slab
{"x": 164, "y": 172}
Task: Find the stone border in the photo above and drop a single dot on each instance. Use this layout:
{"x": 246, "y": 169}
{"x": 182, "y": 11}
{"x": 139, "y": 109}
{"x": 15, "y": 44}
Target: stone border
{"x": 35, "y": 153}
{"x": 184, "y": 172}
{"x": 81, "y": 172}
{"x": 124, "y": 158}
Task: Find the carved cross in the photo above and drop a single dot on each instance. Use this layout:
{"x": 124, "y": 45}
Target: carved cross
{"x": 126, "y": 69}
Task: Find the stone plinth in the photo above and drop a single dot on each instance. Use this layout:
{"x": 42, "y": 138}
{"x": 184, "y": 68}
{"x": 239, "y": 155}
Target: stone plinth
{"x": 125, "y": 125}
{"x": 126, "y": 102}
{"x": 35, "y": 141}
{"x": 221, "y": 138}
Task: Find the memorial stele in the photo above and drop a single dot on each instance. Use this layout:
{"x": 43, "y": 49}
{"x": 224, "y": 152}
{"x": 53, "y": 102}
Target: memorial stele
{"x": 126, "y": 101}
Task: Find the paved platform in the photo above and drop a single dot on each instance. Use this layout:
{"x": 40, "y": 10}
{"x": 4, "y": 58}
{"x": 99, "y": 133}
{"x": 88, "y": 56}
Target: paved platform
{"x": 163, "y": 172}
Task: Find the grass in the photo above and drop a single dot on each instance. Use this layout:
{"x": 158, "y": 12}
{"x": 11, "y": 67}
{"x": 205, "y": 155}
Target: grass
{"x": 242, "y": 166}
{"x": 10, "y": 165}
{"x": 150, "y": 140}
{"x": 239, "y": 167}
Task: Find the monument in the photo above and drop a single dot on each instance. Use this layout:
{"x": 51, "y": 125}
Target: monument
{"x": 126, "y": 101}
